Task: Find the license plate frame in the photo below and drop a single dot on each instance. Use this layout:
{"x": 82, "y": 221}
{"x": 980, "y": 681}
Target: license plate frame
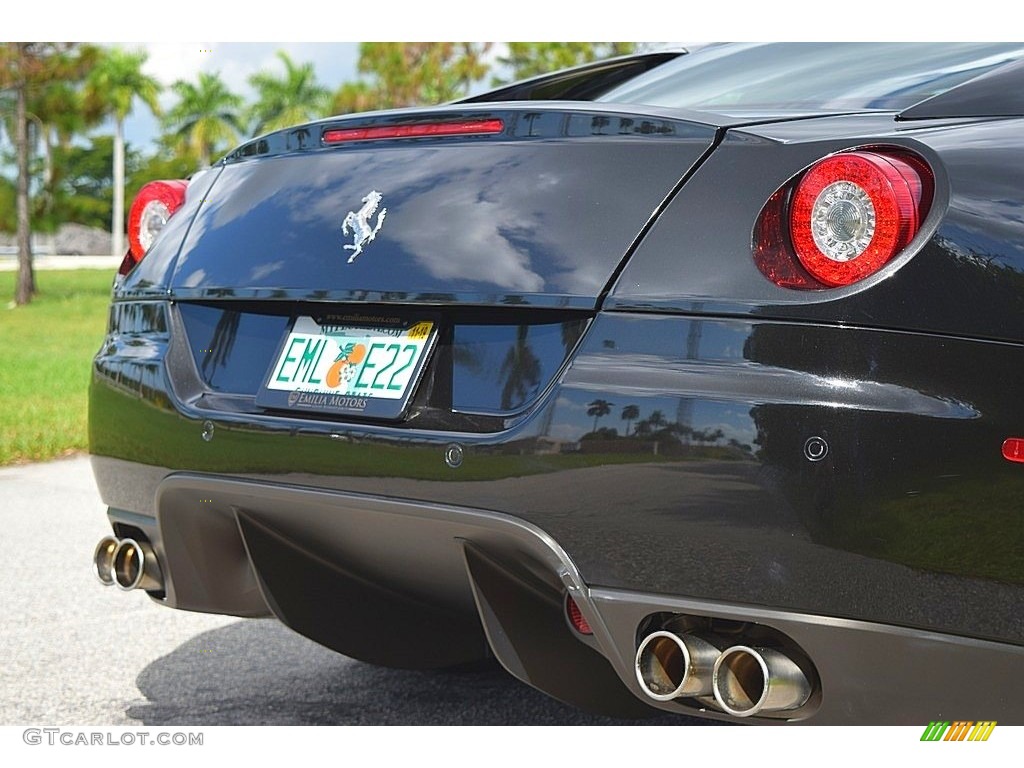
{"x": 313, "y": 370}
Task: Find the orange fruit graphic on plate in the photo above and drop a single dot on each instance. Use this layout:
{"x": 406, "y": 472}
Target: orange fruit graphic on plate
{"x": 357, "y": 354}
{"x": 354, "y": 357}
{"x": 334, "y": 373}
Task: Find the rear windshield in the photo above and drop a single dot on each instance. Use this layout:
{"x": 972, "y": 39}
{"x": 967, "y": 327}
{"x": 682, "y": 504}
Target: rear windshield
{"x": 812, "y": 76}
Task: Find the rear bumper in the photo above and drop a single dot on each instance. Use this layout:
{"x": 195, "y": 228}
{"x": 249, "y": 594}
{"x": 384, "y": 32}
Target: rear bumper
{"x": 910, "y": 518}
{"x": 414, "y": 584}
{"x": 892, "y": 559}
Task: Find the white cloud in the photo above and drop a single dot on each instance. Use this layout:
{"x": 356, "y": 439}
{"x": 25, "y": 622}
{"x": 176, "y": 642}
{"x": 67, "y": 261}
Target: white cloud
{"x": 168, "y": 62}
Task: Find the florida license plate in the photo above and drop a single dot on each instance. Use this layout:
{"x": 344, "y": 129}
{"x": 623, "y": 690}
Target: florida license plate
{"x": 348, "y": 365}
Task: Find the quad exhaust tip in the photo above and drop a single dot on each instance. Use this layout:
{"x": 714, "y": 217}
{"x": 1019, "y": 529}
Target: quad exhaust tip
{"x": 670, "y": 666}
{"x": 748, "y": 680}
{"x": 745, "y": 680}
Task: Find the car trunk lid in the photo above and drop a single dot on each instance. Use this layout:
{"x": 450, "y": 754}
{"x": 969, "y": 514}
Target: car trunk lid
{"x": 541, "y": 212}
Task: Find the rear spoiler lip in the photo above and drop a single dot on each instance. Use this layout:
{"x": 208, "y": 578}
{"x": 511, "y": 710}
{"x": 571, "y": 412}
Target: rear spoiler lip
{"x": 996, "y": 93}
{"x": 625, "y": 66}
{"x": 308, "y": 136}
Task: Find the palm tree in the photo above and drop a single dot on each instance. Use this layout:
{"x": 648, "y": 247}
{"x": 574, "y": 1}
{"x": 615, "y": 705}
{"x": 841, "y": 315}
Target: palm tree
{"x": 110, "y": 90}
{"x": 629, "y": 413}
{"x": 284, "y": 101}
{"x": 598, "y": 409}
{"x": 205, "y": 116}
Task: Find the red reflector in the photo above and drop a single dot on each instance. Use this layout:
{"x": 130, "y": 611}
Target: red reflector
{"x": 413, "y": 131}
{"x": 1013, "y": 449}
{"x": 576, "y": 617}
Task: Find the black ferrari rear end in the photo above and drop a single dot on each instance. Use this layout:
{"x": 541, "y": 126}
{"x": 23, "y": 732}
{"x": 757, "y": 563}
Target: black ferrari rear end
{"x": 680, "y": 382}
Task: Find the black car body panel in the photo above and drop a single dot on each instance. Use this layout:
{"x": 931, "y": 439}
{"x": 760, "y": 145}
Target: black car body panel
{"x": 771, "y": 387}
{"x": 621, "y": 413}
{"x": 993, "y": 94}
{"x": 541, "y": 214}
{"x": 580, "y": 83}
{"x": 973, "y": 238}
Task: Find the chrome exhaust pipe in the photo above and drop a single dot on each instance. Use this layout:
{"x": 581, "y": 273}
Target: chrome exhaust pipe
{"x": 135, "y": 566}
{"x": 749, "y": 680}
{"x": 669, "y": 666}
{"x": 103, "y": 560}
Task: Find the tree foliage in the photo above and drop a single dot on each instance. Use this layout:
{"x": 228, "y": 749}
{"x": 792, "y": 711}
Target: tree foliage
{"x": 296, "y": 97}
{"x": 27, "y": 71}
{"x": 168, "y": 161}
{"x": 84, "y": 193}
{"x": 530, "y": 59}
{"x": 206, "y": 117}
{"x": 8, "y": 206}
{"x": 111, "y": 89}
{"x": 351, "y": 97}
{"x": 116, "y": 82}
{"x": 411, "y": 74}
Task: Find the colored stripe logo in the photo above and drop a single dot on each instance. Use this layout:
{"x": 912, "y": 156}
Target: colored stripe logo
{"x": 959, "y": 730}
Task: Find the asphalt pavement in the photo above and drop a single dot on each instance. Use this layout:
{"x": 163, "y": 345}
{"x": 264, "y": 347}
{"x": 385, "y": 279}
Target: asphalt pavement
{"x": 76, "y": 653}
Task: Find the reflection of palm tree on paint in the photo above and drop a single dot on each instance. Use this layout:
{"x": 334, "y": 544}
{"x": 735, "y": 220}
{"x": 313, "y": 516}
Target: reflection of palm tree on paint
{"x": 223, "y": 341}
{"x": 707, "y": 435}
{"x": 521, "y": 369}
{"x": 345, "y": 363}
{"x": 629, "y": 413}
{"x": 597, "y": 409}
{"x": 656, "y": 420}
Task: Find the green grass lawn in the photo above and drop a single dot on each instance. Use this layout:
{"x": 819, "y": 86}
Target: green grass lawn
{"x": 45, "y": 352}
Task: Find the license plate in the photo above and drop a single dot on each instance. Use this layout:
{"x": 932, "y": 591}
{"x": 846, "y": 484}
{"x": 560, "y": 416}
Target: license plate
{"x": 345, "y": 365}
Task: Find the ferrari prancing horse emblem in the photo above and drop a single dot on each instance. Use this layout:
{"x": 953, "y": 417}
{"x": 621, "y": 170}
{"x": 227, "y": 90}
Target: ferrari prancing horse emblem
{"x": 359, "y": 223}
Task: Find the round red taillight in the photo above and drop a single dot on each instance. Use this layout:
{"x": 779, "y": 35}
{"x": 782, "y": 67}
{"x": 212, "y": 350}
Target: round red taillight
{"x": 852, "y": 212}
{"x": 152, "y": 208}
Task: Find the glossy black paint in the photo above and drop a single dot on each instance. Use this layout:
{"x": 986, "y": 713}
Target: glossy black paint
{"x": 502, "y": 369}
{"x": 579, "y": 83}
{"x": 233, "y": 349}
{"x": 541, "y": 214}
{"x": 612, "y": 369}
{"x": 999, "y": 93}
{"x": 489, "y": 366}
{"x": 809, "y": 78}
{"x": 714, "y": 495}
{"x": 963, "y": 275}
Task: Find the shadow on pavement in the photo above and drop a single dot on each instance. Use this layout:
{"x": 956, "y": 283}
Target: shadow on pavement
{"x": 258, "y": 672}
